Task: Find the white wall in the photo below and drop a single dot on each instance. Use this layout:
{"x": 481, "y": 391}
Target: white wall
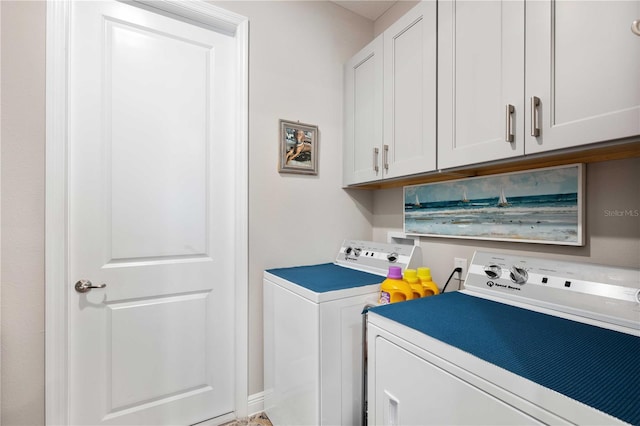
{"x": 23, "y": 86}
{"x": 297, "y": 52}
{"x": 611, "y": 240}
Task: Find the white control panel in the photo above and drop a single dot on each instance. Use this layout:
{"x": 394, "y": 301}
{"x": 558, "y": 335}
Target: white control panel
{"x": 606, "y": 293}
{"x": 373, "y": 257}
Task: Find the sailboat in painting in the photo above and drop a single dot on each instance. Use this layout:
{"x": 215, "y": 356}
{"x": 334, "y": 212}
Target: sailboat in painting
{"x": 417, "y": 204}
{"x": 502, "y": 202}
{"x": 465, "y": 199}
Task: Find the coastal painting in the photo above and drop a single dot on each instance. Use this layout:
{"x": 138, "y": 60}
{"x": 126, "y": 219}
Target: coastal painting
{"x": 538, "y": 206}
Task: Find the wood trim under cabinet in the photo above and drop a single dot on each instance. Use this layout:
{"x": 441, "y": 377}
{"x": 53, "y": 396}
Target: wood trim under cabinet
{"x": 599, "y": 152}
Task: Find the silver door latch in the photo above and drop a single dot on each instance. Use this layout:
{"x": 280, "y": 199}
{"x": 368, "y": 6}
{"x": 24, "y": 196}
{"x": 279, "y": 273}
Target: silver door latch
{"x": 84, "y": 286}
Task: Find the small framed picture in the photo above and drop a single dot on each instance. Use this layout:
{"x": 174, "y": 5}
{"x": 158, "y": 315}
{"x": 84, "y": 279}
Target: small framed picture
{"x": 298, "y": 148}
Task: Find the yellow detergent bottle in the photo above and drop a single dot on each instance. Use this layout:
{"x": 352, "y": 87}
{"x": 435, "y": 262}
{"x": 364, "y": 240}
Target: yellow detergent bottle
{"x": 424, "y": 275}
{"x": 394, "y": 289}
{"x": 411, "y": 277}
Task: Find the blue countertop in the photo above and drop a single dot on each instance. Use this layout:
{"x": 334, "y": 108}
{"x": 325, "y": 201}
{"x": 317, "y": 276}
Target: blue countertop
{"x": 326, "y": 277}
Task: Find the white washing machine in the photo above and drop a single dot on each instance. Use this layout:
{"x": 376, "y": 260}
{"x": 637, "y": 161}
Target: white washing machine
{"x": 529, "y": 341}
{"x": 313, "y": 332}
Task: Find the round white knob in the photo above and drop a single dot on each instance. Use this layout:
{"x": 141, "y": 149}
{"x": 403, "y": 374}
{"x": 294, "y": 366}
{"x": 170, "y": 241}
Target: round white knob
{"x": 518, "y": 275}
{"x": 493, "y": 271}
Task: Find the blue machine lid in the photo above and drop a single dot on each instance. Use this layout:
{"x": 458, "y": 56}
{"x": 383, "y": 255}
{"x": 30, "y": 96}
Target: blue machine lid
{"x": 593, "y": 365}
{"x": 326, "y": 277}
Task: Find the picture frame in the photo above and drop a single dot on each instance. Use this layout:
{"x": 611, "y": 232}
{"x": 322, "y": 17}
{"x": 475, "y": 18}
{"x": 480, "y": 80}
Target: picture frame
{"x": 298, "y": 148}
{"x": 544, "y": 206}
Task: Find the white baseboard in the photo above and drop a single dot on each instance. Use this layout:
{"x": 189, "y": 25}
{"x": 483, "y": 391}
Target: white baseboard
{"x": 255, "y": 406}
{"x": 256, "y": 403}
{"x": 217, "y": 421}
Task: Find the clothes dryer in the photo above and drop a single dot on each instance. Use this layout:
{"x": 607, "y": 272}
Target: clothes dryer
{"x": 529, "y": 341}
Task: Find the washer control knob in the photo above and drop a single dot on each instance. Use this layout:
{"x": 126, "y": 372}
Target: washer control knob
{"x": 357, "y": 251}
{"x": 493, "y": 271}
{"x": 392, "y": 257}
{"x": 518, "y": 275}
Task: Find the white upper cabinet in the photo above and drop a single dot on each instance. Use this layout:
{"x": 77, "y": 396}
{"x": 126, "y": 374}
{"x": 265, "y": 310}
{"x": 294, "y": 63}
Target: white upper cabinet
{"x": 579, "y": 82}
{"x": 363, "y": 115}
{"x": 410, "y": 93}
{"x": 390, "y": 101}
{"x": 514, "y": 77}
{"x": 480, "y": 81}
{"x": 583, "y": 64}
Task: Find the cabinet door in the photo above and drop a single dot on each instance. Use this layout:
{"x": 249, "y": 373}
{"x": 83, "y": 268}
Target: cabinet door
{"x": 363, "y": 115}
{"x": 410, "y": 93}
{"x": 583, "y": 63}
{"x": 480, "y": 73}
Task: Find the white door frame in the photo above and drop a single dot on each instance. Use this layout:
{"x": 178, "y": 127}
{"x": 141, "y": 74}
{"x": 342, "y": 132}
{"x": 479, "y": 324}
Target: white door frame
{"x": 56, "y": 211}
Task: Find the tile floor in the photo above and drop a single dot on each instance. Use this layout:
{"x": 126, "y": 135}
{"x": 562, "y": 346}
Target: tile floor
{"x": 260, "y": 419}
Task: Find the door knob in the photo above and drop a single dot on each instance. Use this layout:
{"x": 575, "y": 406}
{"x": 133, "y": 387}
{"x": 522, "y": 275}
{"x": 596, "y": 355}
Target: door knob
{"x": 84, "y": 286}
{"x": 635, "y": 27}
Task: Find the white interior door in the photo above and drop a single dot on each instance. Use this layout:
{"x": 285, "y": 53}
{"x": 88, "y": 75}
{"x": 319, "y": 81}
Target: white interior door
{"x": 150, "y": 163}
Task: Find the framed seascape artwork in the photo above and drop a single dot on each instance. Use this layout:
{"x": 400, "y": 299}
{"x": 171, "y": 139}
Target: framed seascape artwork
{"x": 298, "y": 148}
{"x": 538, "y": 206}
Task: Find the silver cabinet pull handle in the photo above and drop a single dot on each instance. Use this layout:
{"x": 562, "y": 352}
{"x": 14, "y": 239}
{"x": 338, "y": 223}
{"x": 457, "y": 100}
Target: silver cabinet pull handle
{"x": 84, "y": 286}
{"x": 385, "y": 157}
{"x": 375, "y": 159}
{"x": 509, "y": 110}
{"x": 635, "y": 27}
{"x": 535, "y": 124}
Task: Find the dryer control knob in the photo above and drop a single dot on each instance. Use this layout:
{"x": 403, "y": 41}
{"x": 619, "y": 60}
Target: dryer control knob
{"x": 493, "y": 271}
{"x": 518, "y": 275}
{"x": 392, "y": 257}
{"x": 357, "y": 251}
